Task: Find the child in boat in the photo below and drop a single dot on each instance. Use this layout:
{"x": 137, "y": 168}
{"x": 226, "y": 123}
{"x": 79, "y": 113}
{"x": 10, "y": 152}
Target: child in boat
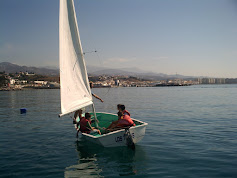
{"x": 114, "y": 123}
{"x": 76, "y": 117}
{"x": 76, "y": 120}
{"x": 122, "y": 109}
{"x": 124, "y": 119}
{"x": 85, "y": 124}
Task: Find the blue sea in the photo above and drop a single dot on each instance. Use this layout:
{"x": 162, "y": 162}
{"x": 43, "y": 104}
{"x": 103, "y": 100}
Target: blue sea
{"x": 192, "y": 132}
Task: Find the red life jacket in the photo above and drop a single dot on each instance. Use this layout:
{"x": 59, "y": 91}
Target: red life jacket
{"x": 125, "y": 121}
{"x": 125, "y": 112}
{"x": 83, "y": 125}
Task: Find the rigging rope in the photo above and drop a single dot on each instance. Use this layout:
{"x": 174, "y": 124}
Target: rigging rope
{"x": 89, "y": 52}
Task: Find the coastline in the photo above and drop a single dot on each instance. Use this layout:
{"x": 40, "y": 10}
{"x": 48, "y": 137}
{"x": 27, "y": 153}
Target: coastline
{"x": 27, "y": 88}
{"x": 48, "y": 87}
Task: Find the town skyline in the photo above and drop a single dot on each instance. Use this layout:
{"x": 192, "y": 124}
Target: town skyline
{"x": 191, "y": 38}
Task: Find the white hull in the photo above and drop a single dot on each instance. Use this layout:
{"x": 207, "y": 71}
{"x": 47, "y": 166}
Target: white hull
{"x": 117, "y": 138}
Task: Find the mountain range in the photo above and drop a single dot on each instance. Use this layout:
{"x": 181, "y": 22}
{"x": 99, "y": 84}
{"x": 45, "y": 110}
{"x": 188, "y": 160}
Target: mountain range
{"x": 13, "y": 68}
{"x": 92, "y": 70}
{"x": 132, "y": 72}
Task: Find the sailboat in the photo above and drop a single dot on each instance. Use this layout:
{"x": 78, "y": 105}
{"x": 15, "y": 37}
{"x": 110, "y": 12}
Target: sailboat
{"x": 75, "y": 90}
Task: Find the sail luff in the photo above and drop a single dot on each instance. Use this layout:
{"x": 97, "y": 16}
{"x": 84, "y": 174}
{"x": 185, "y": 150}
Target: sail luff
{"x": 74, "y": 84}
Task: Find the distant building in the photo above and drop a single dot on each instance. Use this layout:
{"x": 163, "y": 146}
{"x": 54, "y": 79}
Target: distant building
{"x": 53, "y": 85}
{"x": 231, "y": 81}
{"x": 220, "y": 81}
{"x": 40, "y": 82}
{"x": 211, "y": 81}
{"x": 12, "y": 81}
{"x": 20, "y": 82}
{"x": 30, "y": 73}
{"x": 116, "y": 83}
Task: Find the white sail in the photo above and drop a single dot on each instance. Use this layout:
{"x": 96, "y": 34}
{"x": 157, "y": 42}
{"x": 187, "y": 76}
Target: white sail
{"x": 74, "y": 84}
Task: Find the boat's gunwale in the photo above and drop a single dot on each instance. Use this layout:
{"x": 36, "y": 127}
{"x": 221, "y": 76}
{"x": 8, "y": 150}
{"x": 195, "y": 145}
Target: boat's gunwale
{"x": 121, "y": 130}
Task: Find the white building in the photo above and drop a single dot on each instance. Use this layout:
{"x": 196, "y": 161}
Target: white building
{"x": 40, "y": 82}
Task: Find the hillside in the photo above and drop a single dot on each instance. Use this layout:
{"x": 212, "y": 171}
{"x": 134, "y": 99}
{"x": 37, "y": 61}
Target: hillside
{"x": 13, "y": 68}
{"x": 92, "y": 70}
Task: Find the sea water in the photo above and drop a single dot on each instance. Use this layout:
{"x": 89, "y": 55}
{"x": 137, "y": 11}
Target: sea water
{"x": 192, "y": 132}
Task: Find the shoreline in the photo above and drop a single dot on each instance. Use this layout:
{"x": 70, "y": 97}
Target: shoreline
{"x": 159, "y": 85}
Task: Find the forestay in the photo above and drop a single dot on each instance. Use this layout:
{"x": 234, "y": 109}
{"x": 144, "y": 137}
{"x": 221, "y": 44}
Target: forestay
{"x": 74, "y": 84}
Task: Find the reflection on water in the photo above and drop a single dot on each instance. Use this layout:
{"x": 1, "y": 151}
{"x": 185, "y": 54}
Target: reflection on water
{"x": 97, "y": 161}
{"x": 86, "y": 168}
{"x": 87, "y": 162}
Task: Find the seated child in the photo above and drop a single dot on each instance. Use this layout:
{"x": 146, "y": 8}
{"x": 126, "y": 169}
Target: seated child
{"x": 85, "y": 124}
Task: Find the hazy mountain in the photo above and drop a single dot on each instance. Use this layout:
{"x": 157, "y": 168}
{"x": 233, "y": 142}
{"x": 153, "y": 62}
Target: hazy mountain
{"x": 13, "y": 68}
{"x": 92, "y": 70}
{"x": 106, "y": 71}
{"x": 132, "y": 72}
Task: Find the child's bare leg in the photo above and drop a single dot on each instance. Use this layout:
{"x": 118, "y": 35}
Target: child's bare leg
{"x": 112, "y": 125}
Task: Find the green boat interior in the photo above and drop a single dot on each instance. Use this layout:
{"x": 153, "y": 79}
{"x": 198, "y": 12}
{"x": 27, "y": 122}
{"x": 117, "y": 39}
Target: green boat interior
{"x": 105, "y": 119}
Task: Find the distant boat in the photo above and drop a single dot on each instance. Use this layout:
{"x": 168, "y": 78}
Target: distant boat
{"x": 74, "y": 84}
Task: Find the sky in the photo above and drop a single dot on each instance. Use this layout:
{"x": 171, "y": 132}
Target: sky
{"x": 186, "y": 37}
